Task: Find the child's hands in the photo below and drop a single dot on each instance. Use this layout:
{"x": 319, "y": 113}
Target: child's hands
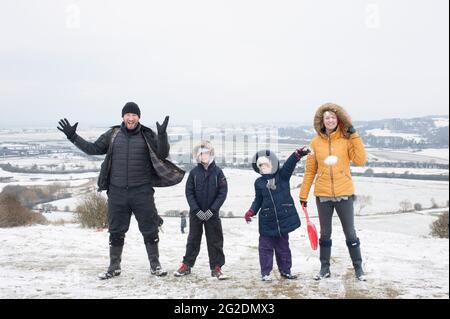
{"x": 249, "y": 215}
{"x": 204, "y": 216}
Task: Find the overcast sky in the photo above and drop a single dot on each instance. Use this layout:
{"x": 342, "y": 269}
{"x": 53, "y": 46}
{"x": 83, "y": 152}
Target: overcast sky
{"x": 221, "y": 61}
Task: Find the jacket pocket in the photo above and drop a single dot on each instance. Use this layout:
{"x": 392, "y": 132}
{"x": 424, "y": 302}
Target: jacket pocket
{"x": 287, "y": 209}
{"x": 320, "y": 176}
{"x": 265, "y": 212}
{"x": 346, "y": 175}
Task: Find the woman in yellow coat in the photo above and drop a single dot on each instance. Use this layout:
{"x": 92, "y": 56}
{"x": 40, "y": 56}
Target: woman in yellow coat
{"x": 335, "y": 146}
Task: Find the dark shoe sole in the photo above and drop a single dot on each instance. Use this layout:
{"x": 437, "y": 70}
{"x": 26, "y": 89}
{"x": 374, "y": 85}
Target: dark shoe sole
{"x": 223, "y": 277}
{"x": 162, "y": 274}
{"x": 361, "y": 278}
{"x": 178, "y": 275}
{"x": 319, "y": 277}
{"x": 107, "y": 276}
{"x": 289, "y": 277}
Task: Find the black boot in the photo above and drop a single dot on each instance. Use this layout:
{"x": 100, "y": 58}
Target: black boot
{"x": 325, "y": 255}
{"x": 153, "y": 257}
{"x": 115, "y": 257}
{"x": 355, "y": 254}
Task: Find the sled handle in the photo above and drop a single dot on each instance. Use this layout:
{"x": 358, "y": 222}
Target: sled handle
{"x": 305, "y": 210}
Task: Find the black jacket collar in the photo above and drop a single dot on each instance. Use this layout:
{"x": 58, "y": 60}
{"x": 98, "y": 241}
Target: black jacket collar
{"x": 210, "y": 167}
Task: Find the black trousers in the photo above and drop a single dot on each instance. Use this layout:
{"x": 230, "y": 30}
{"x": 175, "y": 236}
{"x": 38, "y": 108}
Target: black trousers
{"x": 122, "y": 203}
{"x": 214, "y": 240}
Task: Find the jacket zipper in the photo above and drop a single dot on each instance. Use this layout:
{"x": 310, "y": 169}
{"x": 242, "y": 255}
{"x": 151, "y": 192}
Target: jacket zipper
{"x": 331, "y": 168}
{"x": 128, "y": 158}
{"x": 207, "y": 187}
{"x": 276, "y": 212}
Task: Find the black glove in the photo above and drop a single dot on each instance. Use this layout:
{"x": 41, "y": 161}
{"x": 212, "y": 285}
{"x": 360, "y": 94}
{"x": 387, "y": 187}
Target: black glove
{"x": 162, "y": 128}
{"x": 67, "y": 129}
{"x": 304, "y": 203}
{"x": 302, "y": 152}
{"x": 351, "y": 130}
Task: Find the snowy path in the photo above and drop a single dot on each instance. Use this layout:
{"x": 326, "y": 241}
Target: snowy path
{"x": 401, "y": 260}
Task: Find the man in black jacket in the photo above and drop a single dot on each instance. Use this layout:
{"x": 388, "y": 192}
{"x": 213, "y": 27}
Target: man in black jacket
{"x": 135, "y": 162}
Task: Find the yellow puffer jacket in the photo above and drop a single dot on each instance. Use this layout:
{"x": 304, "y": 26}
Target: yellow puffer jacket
{"x": 332, "y": 180}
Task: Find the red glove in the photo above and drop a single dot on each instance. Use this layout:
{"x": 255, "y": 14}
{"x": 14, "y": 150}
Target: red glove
{"x": 249, "y": 215}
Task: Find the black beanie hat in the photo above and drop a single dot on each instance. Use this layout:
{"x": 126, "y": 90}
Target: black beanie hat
{"x": 131, "y": 107}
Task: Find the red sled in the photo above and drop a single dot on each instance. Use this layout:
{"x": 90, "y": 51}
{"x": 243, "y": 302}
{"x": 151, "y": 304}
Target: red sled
{"x": 312, "y": 232}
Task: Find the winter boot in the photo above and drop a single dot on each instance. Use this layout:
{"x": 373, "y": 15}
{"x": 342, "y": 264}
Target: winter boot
{"x": 153, "y": 257}
{"x": 288, "y": 275}
{"x": 184, "y": 270}
{"x": 217, "y": 272}
{"x": 355, "y": 254}
{"x": 325, "y": 255}
{"x": 115, "y": 256}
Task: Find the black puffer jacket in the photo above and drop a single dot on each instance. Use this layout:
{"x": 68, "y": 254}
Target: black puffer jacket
{"x": 206, "y": 188}
{"x": 165, "y": 172}
{"x": 277, "y": 213}
{"x": 131, "y": 165}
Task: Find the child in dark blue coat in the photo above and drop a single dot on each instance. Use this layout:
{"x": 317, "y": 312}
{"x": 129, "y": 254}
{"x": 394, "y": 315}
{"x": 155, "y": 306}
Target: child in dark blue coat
{"x": 206, "y": 192}
{"x": 277, "y": 213}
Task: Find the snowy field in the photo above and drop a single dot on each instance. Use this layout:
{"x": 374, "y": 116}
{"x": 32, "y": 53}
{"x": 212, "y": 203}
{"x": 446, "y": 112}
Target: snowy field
{"x": 25, "y": 179}
{"x": 44, "y": 135}
{"x": 401, "y": 170}
{"x": 400, "y": 259}
{"x": 438, "y": 156}
{"x": 387, "y": 133}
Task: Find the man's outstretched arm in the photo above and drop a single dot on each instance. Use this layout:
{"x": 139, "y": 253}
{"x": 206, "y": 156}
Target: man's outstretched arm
{"x": 99, "y": 147}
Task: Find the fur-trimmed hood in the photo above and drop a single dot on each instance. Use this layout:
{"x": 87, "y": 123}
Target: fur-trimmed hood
{"x": 272, "y": 158}
{"x": 207, "y": 145}
{"x": 344, "y": 118}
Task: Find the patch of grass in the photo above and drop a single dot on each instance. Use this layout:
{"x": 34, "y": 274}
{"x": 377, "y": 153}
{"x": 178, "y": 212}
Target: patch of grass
{"x": 92, "y": 212}
{"x": 360, "y": 290}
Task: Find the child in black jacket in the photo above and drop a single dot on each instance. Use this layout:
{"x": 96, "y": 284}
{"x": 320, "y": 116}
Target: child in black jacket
{"x": 206, "y": 191}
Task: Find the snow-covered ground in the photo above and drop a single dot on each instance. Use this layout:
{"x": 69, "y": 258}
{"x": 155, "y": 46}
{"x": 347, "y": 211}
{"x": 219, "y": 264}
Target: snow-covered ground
{"x": 402, "y": 170}
{"x": 434, "y": 152}
{"x": 438, "y": 156}
{"x": 400, "y": 259}
{"x": 70, "y": 161}
{"x": 388, "y": 133}
{"x": 60, "y": 217}
{"x": 25, "y": 179}
{"x": 441, "y": 121}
